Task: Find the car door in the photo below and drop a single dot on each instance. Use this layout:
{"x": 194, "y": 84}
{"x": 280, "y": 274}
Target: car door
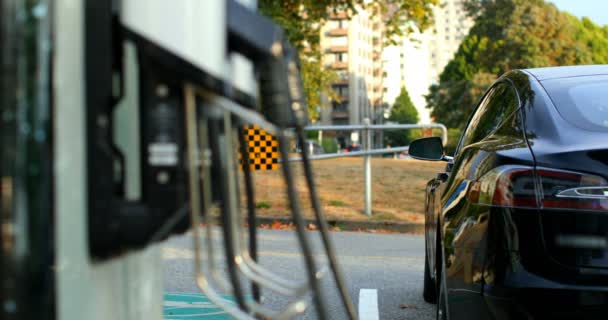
{"x": 463, "y": 226}
{"x": 436, "y": 187}
{"x": 430, "y": 210}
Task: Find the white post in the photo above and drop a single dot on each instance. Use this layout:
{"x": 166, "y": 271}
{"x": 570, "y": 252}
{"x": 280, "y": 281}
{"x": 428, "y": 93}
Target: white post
{"x": 367, "y": 141}
{"x": 320, "y": 138}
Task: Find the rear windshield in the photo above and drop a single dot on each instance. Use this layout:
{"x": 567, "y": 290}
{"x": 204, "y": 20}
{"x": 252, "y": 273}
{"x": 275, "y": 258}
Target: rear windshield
{"x": 582, "y": 101}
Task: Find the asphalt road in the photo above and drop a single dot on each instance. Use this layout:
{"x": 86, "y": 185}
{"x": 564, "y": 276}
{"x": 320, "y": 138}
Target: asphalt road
{"x": 391, "y": 264}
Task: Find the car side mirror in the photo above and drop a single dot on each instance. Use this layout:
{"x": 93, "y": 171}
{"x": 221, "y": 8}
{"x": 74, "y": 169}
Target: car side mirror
{"x": 430, "y": 148}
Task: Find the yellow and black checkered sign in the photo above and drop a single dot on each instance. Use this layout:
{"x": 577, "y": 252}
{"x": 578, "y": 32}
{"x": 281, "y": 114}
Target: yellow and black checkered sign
{"x": 263, "y": 149}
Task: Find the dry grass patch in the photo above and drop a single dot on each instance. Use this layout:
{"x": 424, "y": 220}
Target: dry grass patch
{"x": 397, "y": 189}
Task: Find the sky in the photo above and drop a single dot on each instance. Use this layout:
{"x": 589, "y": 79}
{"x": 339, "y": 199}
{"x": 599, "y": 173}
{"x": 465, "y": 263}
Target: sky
{"x": 597, "y": 10}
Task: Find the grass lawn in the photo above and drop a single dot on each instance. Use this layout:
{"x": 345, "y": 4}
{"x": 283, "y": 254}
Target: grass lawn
{"x": 397, "y": 189}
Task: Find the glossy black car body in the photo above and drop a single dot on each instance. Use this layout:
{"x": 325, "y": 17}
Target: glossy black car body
{"x": 517, "y": 225}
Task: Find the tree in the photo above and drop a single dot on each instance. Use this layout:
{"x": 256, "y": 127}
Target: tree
{"x": 302, "y": 20}
{"x": 507, "y": 35}
{"x": 403, "y": 112}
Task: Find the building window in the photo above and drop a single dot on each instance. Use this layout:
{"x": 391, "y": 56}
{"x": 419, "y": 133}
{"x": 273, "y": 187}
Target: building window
{"x": 342, "y": 91}
{"x": 340, "y": 107}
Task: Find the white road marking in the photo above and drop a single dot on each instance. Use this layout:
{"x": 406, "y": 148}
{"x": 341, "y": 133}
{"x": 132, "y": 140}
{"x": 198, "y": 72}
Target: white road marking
{"x": 368, "y": 304}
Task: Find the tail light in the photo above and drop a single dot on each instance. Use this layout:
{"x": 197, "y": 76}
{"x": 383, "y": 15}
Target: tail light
{"x": 571, "y": 190}
{"x": 517, "y": 186}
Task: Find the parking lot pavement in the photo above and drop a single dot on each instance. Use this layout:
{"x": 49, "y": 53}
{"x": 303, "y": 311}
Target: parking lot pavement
{"x": 383, "y": 272}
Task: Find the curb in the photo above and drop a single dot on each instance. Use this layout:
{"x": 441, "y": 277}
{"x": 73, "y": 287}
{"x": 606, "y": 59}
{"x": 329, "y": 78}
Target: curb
{"x": 354, "y": 225}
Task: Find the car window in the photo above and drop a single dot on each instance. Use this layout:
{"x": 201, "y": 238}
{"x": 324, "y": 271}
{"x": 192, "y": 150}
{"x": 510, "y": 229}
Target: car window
{"x": 582, "y": 101}
{"x": 468, "y": 133}
{"x": 495, "y": 107}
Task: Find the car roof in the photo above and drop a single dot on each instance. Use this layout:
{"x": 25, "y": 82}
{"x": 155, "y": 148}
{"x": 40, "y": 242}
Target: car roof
{"x": 567, "y": 72}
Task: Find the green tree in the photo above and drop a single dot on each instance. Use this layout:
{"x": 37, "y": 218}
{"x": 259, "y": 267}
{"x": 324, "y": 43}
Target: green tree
{"x": 507, "y": 35}
{"x": 302, "y": 20}
{"x": 403, "y": 112}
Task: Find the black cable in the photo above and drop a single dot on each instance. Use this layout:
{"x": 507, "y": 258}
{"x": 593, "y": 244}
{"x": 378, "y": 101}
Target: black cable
{"x": 215, "y": 132}
{"x": 300, "y": 226}
{"x": 251, "y": 218}
{"x": 324, "y": 228}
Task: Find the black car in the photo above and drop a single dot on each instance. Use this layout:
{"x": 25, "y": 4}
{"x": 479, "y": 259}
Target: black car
{"x": 352, "y": 147}
{"x": 517, "y": 225}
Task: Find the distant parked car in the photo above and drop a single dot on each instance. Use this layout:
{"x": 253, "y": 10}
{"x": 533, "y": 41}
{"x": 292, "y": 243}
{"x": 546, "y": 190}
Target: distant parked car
{"x": 352, "y": 147}
{"x": 517, "y": 222}
{"x": 404, "y": 155}
{"x": 311, "y": 147}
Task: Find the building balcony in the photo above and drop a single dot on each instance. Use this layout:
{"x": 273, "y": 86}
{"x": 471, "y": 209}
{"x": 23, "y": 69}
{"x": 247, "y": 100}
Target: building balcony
{"x": 338, "y": 15}
{"x": 340, "y": 82}
{"x": 337, "y": 49}
{"x": 339, "y": 65}
{"x": 339, "y": 110}
{"x": 339, "y": 114}
{"x": 338, "y": 32}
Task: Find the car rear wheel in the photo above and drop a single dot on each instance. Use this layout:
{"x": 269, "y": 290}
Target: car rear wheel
{"x": 429, "y": 292}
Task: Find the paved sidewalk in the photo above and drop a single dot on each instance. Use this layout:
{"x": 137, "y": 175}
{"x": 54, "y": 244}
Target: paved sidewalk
{"x": 356, "y": 225}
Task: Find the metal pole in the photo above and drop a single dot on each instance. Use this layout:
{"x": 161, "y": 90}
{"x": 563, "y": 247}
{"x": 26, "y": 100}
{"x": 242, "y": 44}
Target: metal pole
{"x": 367, "y": 136}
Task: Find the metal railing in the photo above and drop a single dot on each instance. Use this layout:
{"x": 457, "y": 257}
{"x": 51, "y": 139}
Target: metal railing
{"x": 367, "y": 151}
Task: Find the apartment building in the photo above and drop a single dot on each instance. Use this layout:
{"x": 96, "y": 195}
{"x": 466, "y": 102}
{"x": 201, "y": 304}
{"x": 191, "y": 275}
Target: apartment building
{"x": 352, "y": 47}
{"x": 407, "y": 65}
{"x": 451, "y": 26}
{"x": 419, "y": 59}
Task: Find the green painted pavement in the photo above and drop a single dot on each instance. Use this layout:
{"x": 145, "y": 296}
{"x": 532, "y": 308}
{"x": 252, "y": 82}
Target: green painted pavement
{"x": 193, "y": 306}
